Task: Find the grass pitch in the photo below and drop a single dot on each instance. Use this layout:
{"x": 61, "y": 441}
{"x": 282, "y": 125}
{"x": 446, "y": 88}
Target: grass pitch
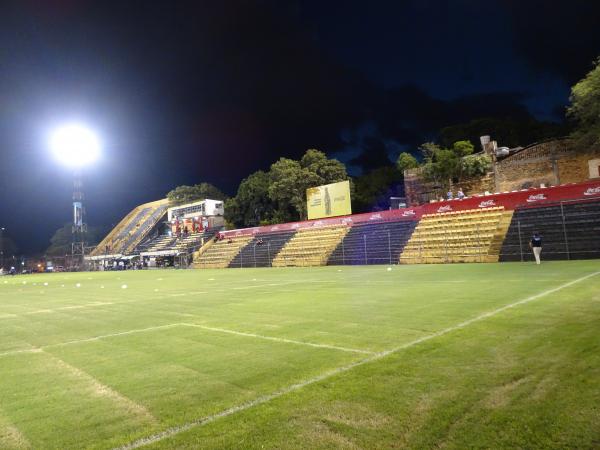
{"x": 456, "y": 356}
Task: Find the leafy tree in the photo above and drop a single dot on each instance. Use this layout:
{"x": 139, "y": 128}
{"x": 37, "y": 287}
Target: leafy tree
{"x": 289, "y": 180}
{"x": 252, "y": 205}
{"x": 406, "y": 161}
{"x": 188, "y": 194}
{"x": 462, "y": 148}
{"x": 475, "y": 165}
{"x": 8, "y": 248}
{"x": 444, "y": 165}
{"x": 60, "y": 242}
{"x": 585, "y": 108}
{"x": 428, "y": 150}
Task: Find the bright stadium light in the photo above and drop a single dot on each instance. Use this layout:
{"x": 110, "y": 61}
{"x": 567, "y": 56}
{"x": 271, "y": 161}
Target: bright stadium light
{"x": 75, "y": 145}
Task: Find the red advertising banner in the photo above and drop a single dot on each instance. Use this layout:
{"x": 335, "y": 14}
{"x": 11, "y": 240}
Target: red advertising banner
{"x": 509, "y": 200}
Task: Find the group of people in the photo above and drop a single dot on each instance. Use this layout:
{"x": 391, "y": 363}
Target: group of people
{"x": 459, "y": 195}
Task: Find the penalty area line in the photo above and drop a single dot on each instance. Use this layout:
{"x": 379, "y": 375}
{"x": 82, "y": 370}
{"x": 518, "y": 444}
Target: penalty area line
{"x": 279, "y": 339}
{"x": 170, "y": 432}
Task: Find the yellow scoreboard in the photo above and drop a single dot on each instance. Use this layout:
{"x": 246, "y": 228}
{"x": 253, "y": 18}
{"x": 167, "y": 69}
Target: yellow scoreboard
{"x": 329, "y": 200}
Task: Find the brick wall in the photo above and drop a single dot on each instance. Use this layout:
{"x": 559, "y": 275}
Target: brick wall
{"x": 549, "y": 163}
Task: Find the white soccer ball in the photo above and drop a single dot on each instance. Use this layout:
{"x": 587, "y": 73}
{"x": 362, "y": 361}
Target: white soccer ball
{"x": 124, "y": 286}
{"x": 78, "y": 285}
{"x": 389, "y": 269}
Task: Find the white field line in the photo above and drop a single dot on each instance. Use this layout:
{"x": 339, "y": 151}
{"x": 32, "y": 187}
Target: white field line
{"x": 278, "y": 339}
{"x": 169, "y": 432}
{"x": 53, "y": 310}
{"x": 95, "y": 338}
{"x": 179, "y": 324}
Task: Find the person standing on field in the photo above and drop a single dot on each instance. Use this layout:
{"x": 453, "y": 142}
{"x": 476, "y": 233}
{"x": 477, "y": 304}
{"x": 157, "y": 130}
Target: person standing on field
{"x": 536, "y": 245}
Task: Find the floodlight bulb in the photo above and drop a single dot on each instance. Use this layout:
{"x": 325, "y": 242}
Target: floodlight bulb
{"x": 75, "y": 145}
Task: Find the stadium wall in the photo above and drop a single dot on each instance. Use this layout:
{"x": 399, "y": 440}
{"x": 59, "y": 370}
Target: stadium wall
{"x": 509, "y": 200}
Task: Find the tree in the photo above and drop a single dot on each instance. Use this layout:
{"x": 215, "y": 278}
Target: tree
{"x": 8, "y": 249}
{"x": 188, "y": 194}
{"x": 373, "y": 190}
{"x": 446, "y": 165}
{"x": 585, "y": 108}
{"x": 289, "y": 180}
{"x": 462, "y": 148}
{"x": 60, "y": 242}
{"x": 406, "y": 161}
{"x": 252, "y": 205}
{"x": 475, "y": 165}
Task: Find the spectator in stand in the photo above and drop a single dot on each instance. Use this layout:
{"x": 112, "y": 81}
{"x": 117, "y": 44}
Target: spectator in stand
{"x": 460, "y": 194}
{"x": 536, "y": 245}
{"x": 260, "y": 241}
{"x": 449, "y": 195}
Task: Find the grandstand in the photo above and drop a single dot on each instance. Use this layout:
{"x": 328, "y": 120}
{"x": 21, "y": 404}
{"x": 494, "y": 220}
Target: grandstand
{"x": 218, "y": 255}
{"x": 571, "y": 230}
{"x": 132, "y": 229}
{"x": 473, "y": 235}
{"x": 486, "y": 228}
{"x": 373, "y": 243}
{"x": 310, "y": 247}
{"x": 261, "y": 250}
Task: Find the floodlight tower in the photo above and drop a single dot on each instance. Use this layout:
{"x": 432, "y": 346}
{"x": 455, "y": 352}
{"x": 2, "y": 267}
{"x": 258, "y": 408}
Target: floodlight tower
{"x": 76, "y": 147}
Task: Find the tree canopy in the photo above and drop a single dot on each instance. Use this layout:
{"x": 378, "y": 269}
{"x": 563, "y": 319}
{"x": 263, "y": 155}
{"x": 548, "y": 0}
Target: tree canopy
{"x": 374, "y": 189}
{"x": 279, "y": 195}
{"x": 188, "y": 194}
{"x": 60, "y": 242}
{"x": 443, "y": 166}
{"x": 585, "y": 109}
{"x": 252, "y": 205}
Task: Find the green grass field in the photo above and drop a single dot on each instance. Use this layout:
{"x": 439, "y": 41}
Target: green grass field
{"x": 455, "y": 356}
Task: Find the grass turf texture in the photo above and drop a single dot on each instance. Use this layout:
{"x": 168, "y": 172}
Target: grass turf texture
{"x": 100, "y": 366}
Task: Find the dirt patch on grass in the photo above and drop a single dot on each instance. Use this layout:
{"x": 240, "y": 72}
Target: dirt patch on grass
{"x": 318, "y": 434}
{"x": 10, "y": 436}
{"x": 544, "y": 387}
{"x": 354, "y": 415}
{"x": 99, "y": 389}
{"x": 500, "y": 396}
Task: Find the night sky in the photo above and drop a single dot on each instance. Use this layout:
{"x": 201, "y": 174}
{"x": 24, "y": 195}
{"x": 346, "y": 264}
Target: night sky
{"x": 185, "y": 92}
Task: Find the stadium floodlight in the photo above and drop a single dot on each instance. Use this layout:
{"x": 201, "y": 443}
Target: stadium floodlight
{"x": 75, "y": 145}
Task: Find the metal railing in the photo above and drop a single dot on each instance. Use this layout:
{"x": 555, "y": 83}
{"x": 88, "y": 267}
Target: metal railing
{"x": 569, "y": 230}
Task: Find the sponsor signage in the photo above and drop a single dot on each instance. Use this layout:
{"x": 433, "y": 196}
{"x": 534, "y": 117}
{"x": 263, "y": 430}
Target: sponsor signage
{"x": 487, "y": 204}
{"x": 329, "y": 200}
{"x": 536, "y": 198}
{"x": 592, "y": 191}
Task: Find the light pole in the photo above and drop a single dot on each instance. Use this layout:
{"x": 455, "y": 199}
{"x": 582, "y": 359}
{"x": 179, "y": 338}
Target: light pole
{"x": 76, "y": 146}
